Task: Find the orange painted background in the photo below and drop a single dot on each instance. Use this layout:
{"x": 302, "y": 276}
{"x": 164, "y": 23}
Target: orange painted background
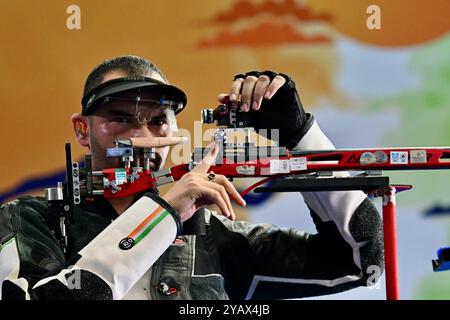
{"x": 199, "y": 45}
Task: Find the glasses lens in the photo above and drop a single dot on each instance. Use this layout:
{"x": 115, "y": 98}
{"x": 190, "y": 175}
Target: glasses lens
{"x": 147, "y": 110}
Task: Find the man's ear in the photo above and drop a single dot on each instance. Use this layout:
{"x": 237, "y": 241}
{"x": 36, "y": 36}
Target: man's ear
{"x": 81, "y": 128}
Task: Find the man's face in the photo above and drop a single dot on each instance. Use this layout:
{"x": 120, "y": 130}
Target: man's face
{"x": 121, "y": 119}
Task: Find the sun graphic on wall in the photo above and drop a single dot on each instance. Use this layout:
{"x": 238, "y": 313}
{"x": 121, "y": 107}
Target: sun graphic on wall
{"x": 271, "y": 22}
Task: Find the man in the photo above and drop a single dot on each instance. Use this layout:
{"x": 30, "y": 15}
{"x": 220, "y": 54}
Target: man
{"x": 224, "y": 259}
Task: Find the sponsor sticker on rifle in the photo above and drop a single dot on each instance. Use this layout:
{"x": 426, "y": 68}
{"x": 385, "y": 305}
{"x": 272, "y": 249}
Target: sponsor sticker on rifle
{"x": 367, "y": 158}
{"x": 298, "y": 163}
{"x": 381, "y": 156}
{"x": 279, "y": 166}
{"x": 418, "y": 156}
{"x": 121, "y": 176}
{"x": 399, "y": 157}
{"x": 246, "y": 170}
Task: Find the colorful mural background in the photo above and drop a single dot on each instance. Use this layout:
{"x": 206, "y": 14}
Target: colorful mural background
{"x": 379, "y": 87}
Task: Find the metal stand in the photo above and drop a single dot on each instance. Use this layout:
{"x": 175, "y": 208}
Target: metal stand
{"x": 390, "y": 244}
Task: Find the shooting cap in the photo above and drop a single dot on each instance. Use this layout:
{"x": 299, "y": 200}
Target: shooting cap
{"x": 111, "y": 87}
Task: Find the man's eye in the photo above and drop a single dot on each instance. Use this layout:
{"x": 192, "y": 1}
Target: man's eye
{"x": 121, "y": 120}
{"x": 158, "y": 122}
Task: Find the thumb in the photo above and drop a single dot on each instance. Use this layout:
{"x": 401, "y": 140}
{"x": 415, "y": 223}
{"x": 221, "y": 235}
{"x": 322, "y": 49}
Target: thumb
{"x": 223, "y": 98}
{"x": 209, "y": 159}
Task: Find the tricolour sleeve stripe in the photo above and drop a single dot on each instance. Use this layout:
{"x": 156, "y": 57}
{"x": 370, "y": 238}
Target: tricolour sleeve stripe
{"x": 114, "y": 256}
{"x": 150, "y": 225}
{"x": 145, "y": 222}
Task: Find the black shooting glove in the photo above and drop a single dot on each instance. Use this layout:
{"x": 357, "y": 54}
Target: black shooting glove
{"x": 283, "y": 111}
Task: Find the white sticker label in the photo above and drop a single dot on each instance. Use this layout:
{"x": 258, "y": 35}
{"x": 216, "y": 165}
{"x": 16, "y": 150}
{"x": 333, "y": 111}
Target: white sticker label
{"x": 418, "y": 156}
{"x": 399, "y": 157}
{"x": 298, "y": 164}
{"x": 279, "y": 166}
{"x": 246, "y": 170}
{"x": 121, "y": 176}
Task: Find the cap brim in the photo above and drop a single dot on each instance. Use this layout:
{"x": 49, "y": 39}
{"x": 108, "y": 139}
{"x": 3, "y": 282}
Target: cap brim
{"x": 108, "y": 88}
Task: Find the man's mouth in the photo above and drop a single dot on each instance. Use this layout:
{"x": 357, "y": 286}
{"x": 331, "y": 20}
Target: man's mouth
{"x": 155, "y": 162}
{"x": 153, "y": 166}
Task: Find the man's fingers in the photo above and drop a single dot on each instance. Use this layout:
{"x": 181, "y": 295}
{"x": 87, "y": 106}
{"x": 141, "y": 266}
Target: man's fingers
{"x": 214, "y": 196}
{"x": 252, "y": 90}
{"x": 208, "y": 160}
{"x": 260, "y": 89}
{"x": 247, "y": 92}
{"x": 231, "y": 190}
{"x": 223, "y": 193}
{"x": 236, "y": 89}
{"x": 223, "y": 98}
{"x": 276, "y": 84}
